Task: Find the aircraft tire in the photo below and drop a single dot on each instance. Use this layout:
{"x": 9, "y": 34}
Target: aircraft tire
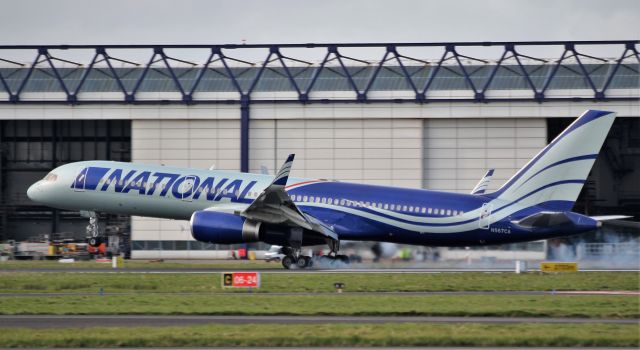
{"x": 343, "y": 259}
{"x": 309, "y": 261}
{"x": 302, "y": 262}
{"x": 94, "y": 242}
{"x": 287, "y": 262}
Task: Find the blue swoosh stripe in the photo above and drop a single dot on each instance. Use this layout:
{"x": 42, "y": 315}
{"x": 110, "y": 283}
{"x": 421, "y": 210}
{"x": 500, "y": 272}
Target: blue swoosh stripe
{"x": 540, "y": 189}
{"x": 568, "y": 160}
{"x": 407, "y": 221}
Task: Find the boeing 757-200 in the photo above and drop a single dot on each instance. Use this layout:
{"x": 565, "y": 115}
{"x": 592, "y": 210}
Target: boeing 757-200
{"x": 228, "y": 207}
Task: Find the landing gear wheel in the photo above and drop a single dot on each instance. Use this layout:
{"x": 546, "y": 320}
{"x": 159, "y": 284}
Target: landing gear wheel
{"x": 287, "y": 261}
{"x": 343, "y": 259}
{"x": 302, "y": 262}
{"x": 94, "y": 242}
{"x": 309, "y": 261}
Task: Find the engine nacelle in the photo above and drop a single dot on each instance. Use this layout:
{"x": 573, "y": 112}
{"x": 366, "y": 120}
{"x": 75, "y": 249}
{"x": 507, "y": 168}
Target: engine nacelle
{"x": 223, "y": 228}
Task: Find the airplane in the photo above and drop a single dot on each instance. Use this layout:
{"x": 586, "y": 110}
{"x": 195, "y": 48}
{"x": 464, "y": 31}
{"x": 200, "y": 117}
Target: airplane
{"x": 227, "y": 207}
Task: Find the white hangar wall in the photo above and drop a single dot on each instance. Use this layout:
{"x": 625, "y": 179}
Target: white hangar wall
{"x": 441, "y": 146}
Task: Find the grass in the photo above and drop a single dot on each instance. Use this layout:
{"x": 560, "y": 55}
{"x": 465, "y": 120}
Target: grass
{"x": 267, "y": 335}
{"x": 28, "y": 282}
{"x": 331, "y": 304}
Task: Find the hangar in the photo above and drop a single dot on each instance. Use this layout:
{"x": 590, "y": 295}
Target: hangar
{"x": 432, "y": 115}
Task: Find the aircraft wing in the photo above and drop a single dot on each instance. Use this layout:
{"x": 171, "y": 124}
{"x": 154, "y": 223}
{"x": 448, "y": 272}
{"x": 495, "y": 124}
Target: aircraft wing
{"x": 275, "y": 206}
{"x": 482, "y": 185}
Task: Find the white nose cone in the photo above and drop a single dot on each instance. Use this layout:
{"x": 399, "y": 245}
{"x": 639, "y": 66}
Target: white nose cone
{"x": 34, "y": 192}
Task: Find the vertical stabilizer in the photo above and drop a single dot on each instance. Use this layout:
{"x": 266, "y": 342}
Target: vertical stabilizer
{"x": 555, "y": 176}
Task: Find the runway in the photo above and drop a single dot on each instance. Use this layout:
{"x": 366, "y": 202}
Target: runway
{"x": 83, "y": 321}
{"x": 359, "y": 348}
{"x": 280, "y": 270}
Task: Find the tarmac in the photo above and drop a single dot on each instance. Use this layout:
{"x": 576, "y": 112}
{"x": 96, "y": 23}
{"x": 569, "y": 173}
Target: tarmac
{"x": 351, "y": 348}
{"x": 280, "y": 270}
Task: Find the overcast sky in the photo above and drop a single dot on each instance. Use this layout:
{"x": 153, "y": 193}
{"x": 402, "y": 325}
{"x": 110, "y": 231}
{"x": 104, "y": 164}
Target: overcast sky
{"x": 297, "y": 21}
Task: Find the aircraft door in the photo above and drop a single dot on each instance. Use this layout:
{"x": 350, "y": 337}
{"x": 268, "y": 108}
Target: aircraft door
{"x": 485, "y": 216}
{"x": 187, "y": 188}
{"x": 80, "y": 181}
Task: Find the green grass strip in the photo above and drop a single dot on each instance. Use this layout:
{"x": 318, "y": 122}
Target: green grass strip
{"x": 407, "y": 334}
{"x": 332, "y": 304}
{"x": 25, "y": 282}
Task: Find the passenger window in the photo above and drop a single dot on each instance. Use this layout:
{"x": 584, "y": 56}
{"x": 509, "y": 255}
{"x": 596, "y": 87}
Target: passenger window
{"x": 449, "y": 212}
{"x": 424, "y": 210}
{"x": 386, "y": 206}
{"x": 342, "y": 201}
{"x": 304, "y": 199}
{"x": 404, "y": 208}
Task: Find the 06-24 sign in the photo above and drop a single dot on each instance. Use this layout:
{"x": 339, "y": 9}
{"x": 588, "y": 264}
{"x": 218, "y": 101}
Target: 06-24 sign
{"x": 241, "y": 280}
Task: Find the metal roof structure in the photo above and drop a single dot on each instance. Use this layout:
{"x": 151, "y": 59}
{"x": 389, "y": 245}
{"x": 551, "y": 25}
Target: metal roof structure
{"x": 278, "y": 77}
{"x": 277, "y": 72}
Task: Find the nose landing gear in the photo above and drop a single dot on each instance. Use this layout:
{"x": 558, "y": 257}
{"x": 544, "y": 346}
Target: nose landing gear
{"x": 93, "y": 229}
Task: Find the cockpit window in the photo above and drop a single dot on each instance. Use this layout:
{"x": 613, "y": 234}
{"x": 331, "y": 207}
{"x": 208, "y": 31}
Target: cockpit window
{"x": 51, "y": 177}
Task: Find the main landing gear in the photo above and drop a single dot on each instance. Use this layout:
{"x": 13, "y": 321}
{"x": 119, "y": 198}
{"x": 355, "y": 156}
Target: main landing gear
{"x": 293, "y": 258}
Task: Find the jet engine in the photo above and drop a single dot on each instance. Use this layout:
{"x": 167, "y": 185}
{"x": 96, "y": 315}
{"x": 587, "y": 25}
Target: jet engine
{"x": 223, "y": 228}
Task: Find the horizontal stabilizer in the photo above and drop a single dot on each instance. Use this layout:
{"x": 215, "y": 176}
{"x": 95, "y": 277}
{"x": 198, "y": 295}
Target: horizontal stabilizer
{"x": 610, "y": 217}
{"x": 543, "y": 219}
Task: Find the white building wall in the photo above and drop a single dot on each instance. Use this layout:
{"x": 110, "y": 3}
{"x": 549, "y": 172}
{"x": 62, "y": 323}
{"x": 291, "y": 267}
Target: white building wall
{"x": 374, "y": 151}
{"x": 442, "y": 146}
{"x": 458, "y": 152}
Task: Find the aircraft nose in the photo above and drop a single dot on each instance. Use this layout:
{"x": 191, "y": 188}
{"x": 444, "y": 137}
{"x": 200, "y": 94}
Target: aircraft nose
{"x": 33, "y": 192}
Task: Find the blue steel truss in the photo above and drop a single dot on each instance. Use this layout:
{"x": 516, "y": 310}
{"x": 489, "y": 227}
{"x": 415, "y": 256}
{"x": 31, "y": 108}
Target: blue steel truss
{"x": 395, "y": 70}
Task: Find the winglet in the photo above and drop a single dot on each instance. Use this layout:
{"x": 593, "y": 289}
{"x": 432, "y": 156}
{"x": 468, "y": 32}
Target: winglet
{"x": 283, "y": 174}
{"x": 482, "y": 185}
